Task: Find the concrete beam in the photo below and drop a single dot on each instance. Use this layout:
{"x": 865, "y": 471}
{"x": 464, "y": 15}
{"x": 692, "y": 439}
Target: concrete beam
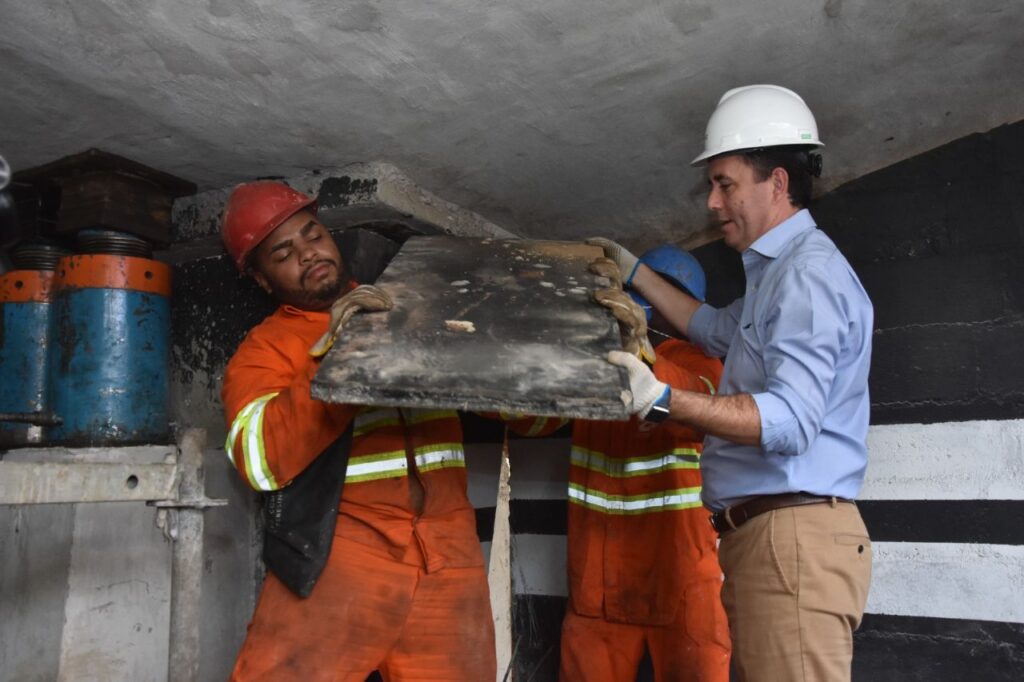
{"x": 69, "y": 475}
{"x": 376, "y": 195}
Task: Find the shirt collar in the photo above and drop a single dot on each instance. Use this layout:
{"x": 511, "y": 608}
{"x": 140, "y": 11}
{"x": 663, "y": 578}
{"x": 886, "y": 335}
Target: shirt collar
{"x": 772, "y": 242}
{"x": 311, "y": 315}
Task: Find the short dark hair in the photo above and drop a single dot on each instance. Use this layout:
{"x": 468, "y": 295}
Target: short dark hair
{"x": 799, "y": 163}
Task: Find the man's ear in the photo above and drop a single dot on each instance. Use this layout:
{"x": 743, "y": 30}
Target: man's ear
{"x": 780, "y": 183}
{"x": 261, "y": 280}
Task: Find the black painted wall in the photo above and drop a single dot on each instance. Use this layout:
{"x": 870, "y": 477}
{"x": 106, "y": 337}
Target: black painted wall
{"x": 938, "y": 241}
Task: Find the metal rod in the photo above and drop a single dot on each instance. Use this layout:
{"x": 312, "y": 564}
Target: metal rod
{"x": 187, "y": 562}
{"x": 37, "y": 418}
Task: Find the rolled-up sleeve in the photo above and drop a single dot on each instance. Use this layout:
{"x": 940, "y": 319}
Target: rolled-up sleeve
{"x": 804, "y": 332}
{"x": 712, "y": 329}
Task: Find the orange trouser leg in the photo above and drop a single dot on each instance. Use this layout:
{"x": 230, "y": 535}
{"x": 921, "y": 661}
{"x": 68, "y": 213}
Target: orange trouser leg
{"x": 696, "y": 647}
{"x": 355, "y": 618}
{"x": 449, "y": 633}
{"x": 594, "y": 650}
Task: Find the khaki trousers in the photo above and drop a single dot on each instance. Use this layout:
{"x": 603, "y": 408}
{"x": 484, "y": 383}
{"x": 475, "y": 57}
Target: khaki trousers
{"x": 796, "y": 581}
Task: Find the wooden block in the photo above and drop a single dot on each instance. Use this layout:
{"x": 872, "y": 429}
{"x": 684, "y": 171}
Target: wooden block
{"x": 483, "y": 325}
{"x": 106, "y": 191}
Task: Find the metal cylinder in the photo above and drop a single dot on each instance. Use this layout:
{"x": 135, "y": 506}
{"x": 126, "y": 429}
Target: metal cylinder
{"x": 109, "y": 350}
{"x": 25, "y": 307}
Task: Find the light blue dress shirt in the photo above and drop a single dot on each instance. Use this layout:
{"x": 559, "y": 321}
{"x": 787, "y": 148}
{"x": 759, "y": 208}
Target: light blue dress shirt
{"x": 798, "y": 341}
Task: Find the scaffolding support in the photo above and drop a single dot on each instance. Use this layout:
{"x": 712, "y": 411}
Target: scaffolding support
{"x": 175, "y": 487}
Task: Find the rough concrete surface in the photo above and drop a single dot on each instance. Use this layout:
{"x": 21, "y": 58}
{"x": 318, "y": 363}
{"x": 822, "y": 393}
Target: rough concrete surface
{"x": 551, "y": 119}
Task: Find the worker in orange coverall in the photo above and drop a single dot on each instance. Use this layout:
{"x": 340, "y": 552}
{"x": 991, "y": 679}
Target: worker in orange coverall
{"x": 401, "y": 587}
{"x": 643, "y": 559}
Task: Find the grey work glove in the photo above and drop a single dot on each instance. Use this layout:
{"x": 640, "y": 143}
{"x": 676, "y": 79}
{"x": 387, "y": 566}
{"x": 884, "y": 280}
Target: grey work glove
{"x": 626, "y": 261}
{"x": 633, "y": 320}
{"x": 363, "y": 297}
{"x": 644, "y": 386}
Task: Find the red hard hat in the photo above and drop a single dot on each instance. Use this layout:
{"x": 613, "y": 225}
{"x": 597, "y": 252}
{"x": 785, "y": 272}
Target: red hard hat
{"x": 254, "y": 210}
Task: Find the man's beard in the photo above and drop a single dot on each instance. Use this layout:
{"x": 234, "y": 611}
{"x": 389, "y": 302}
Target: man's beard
{"x": 319, "y": 298}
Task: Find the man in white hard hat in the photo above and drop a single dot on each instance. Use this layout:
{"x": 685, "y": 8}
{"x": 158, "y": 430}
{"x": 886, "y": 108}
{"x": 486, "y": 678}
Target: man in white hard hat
{"x": 786, "y": 454}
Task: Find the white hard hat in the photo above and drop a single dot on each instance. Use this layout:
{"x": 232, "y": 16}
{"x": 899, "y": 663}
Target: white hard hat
{"x": 756, "y": 116}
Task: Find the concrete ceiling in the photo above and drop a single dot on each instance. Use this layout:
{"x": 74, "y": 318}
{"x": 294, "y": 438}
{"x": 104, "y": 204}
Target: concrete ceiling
{"x": 550, "y": 118}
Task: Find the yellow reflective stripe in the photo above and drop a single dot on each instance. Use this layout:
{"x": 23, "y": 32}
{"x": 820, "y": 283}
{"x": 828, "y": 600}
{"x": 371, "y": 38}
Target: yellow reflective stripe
{"x": 249, "y": 425}
{"x": 374, "y": 419}
{"x": 388, "y": 416}
{"x": 421, "y": 416}
{"x": 540, "y": 423}
{"x": 669, "y": 500}
{"x": 677, "y": 458}
{"x": 441, "y": 456}
{"x": 711, "y": 386}
{"x": 374, "y": 467}
{"x": 241, "y": 419}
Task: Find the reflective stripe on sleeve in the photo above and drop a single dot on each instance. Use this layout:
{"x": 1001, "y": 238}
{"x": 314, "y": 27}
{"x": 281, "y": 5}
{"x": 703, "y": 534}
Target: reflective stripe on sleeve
{"x": 678, "y": 458}
{"x": 668, "y": 500}
{"x": 249, "y": 425}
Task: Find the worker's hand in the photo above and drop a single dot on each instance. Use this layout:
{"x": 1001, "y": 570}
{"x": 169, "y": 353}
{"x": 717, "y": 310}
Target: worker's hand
{"x": 646, "y": 389}
{"x": 607, "y": 268}
{"x": 633, "y": 320}
{"x": 363, "y": 297}
{"x": 626, "y": 261}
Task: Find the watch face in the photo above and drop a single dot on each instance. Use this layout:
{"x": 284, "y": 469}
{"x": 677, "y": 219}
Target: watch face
{"x": 658, "y": 413}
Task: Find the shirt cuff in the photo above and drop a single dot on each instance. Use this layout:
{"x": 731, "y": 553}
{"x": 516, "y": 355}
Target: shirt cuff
{"x": 700, "y": 324}
{"x": 777, "y": 424}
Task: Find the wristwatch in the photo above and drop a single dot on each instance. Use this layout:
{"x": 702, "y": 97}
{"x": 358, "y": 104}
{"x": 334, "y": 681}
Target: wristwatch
{"x": 660, "y": 409}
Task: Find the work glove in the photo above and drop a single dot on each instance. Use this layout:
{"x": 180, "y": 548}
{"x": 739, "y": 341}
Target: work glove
{"x": 646, "y": 389}
{"x": 626, "y": 261}
{"x": 632, "y": 319}
{"x": 363, "y": 297}
{"x": 607, "y": 268}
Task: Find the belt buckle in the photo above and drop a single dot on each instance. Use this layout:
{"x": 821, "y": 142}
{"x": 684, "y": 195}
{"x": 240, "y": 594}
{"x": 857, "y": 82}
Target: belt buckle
{"x": 722, "y": 521}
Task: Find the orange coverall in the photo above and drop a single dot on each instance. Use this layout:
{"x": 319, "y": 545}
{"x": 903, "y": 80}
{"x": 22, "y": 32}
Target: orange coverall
{"x": 404, "y": 590}
{"x": 643, "y": 558}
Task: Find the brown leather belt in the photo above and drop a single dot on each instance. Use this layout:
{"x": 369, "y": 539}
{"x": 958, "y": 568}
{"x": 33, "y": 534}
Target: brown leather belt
{"x": 735, "y": 516}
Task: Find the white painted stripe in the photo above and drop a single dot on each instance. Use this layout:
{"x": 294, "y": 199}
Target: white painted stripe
{"x": 946, "y": 580}
{"x": 935, "y": 580}
{"x": 977, "y": 460}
